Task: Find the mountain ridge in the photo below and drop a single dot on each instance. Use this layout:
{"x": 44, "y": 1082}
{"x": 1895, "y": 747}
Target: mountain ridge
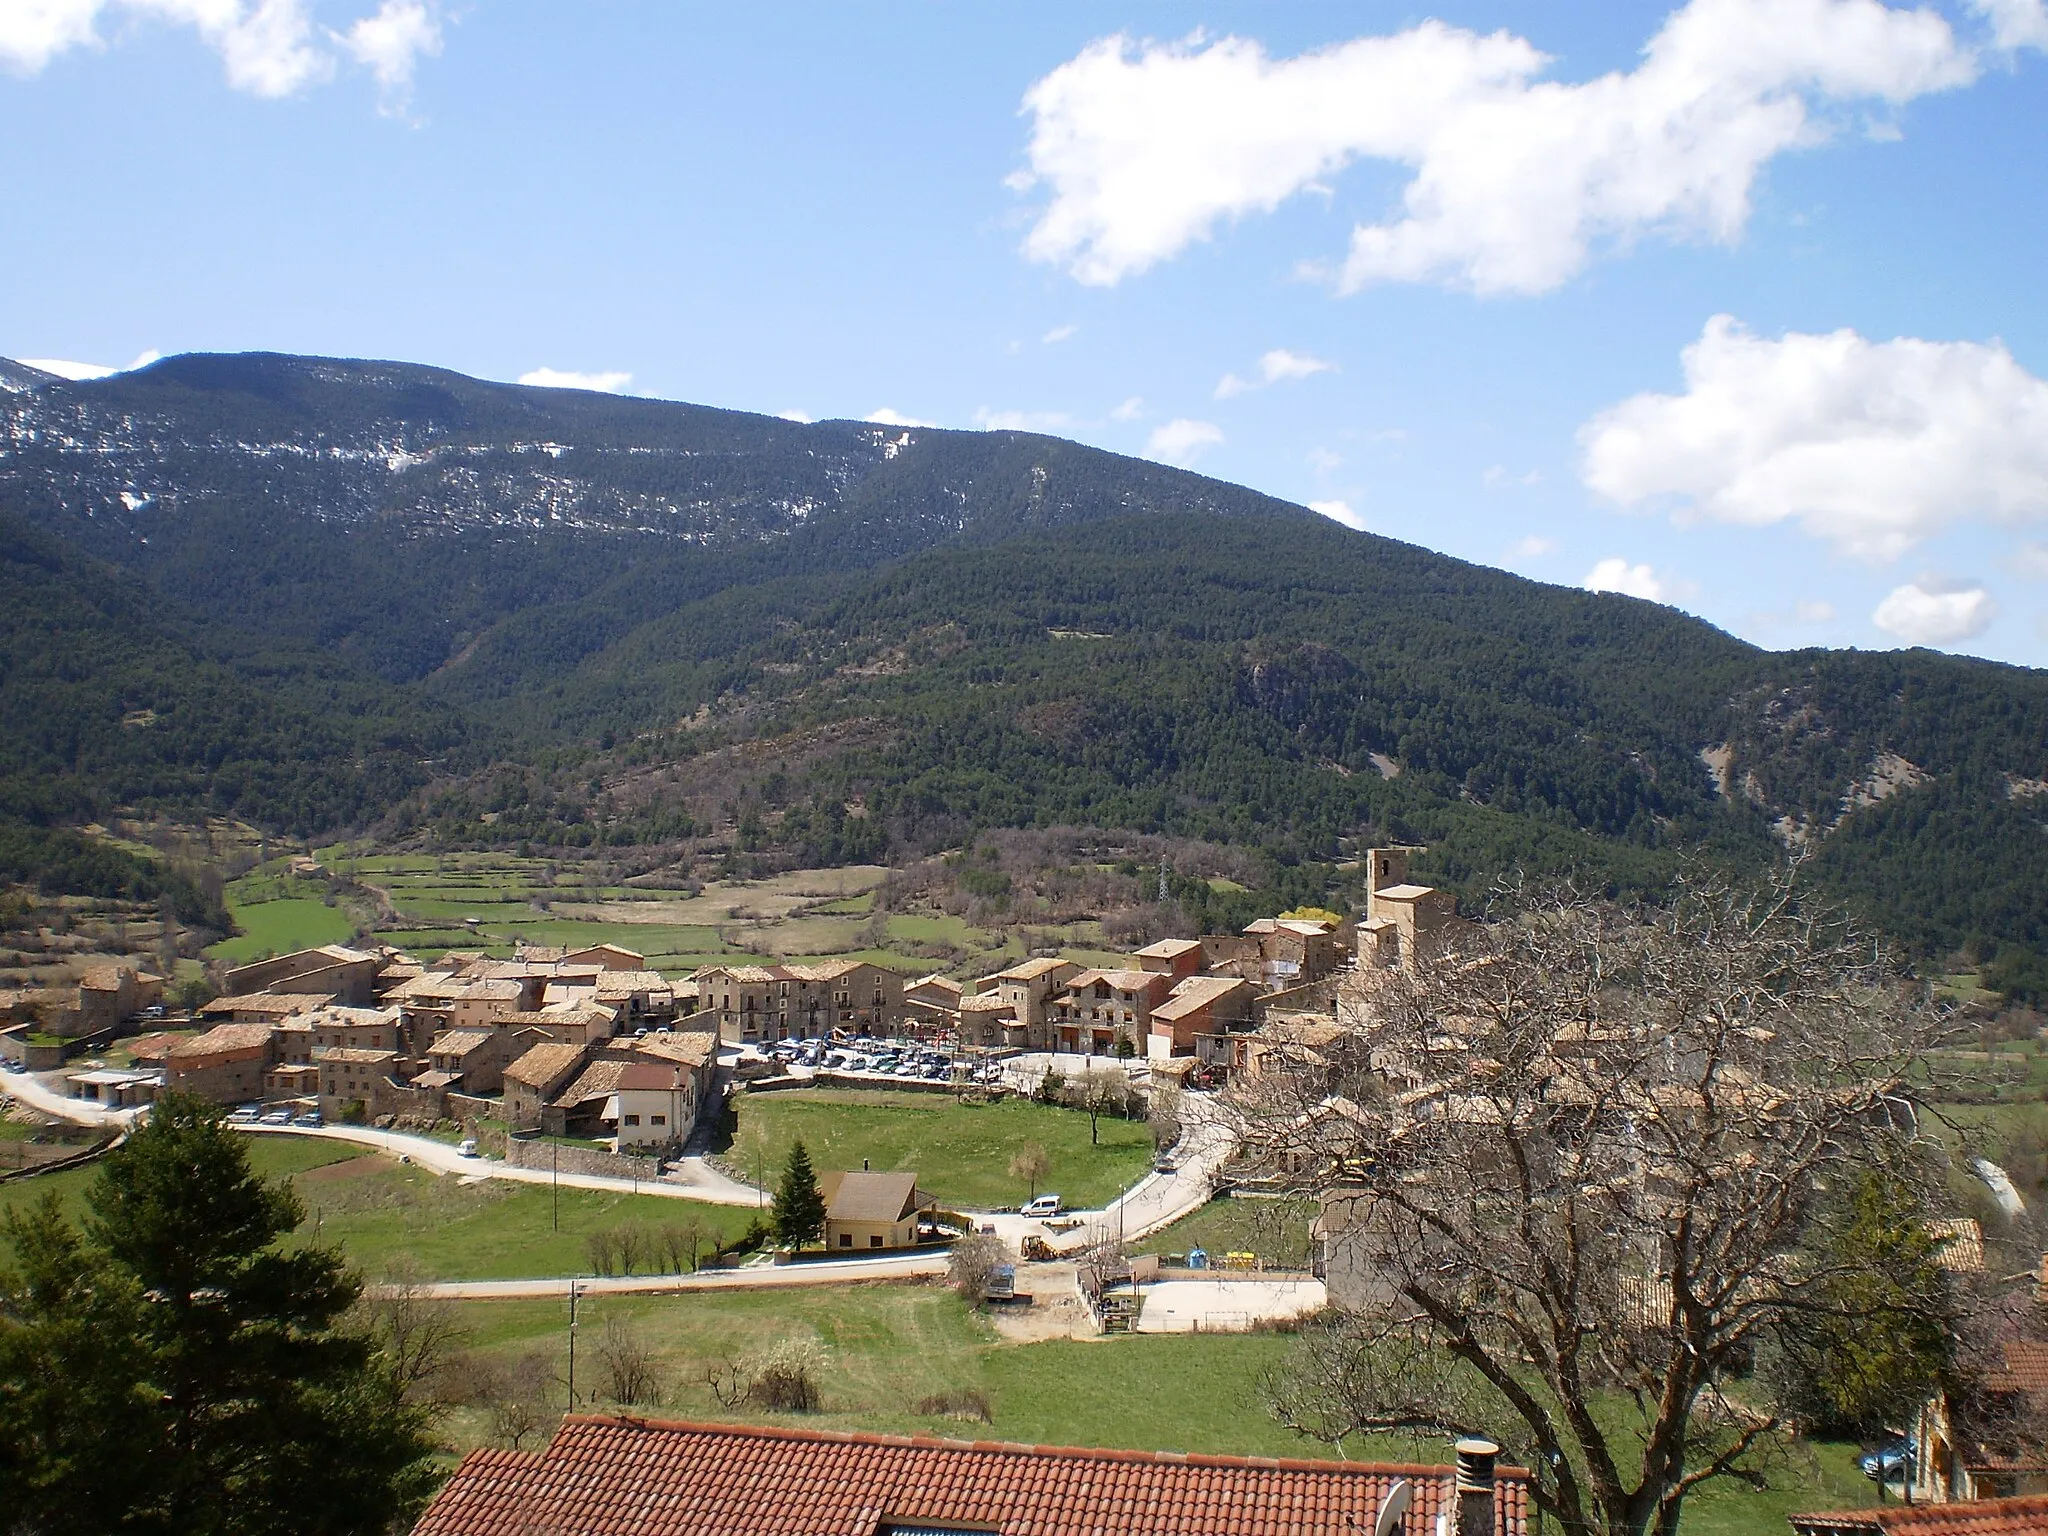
{"x": 418, "y": 585}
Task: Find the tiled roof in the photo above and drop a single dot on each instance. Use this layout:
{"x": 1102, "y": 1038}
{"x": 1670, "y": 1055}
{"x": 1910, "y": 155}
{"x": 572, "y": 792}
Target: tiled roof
{"x": 223, "y": 1037}
{"x": 544, "y": 1064}
{"x": 355, "y": 1055}
{"x": 458, "y": 1042}
{"x": 615, "y": 1477}
{"x": 1960, "y": 1243}
{"x": 599, "y": 1080}
{"x": 1197, "y": 993}
{"x": 2026, "y": 1368}
{"x": 2025, "y": 1516}
{"x": 649, "y": 1077}
{"x": 690, "y": 1047}
{"x": 282, "y": 1004}
{"x": 1169, "y": 949}
{"x": 866, "y": 1196}
{"x": 1031, "y": 970}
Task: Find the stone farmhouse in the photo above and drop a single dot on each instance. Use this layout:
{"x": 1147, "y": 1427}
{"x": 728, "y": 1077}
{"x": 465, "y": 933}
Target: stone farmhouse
{"x": 755, "y": 1004}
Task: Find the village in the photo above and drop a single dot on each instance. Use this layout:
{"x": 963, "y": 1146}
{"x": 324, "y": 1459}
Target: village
{"x": 587, "y": 1062}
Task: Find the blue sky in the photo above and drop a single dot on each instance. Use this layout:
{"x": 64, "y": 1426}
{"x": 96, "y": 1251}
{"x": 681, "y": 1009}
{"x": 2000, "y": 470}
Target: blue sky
{"x": 1736, "y": 304}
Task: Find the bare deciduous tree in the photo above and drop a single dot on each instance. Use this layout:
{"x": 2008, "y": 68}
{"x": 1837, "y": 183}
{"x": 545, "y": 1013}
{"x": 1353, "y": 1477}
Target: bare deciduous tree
{"x": 680, "y": 1244}
{"x": 415, "y": 1330}
{"x": 1569, "y": 1168}
{"x": 973, "y": 1260}
{"x": 627, "y": 1360}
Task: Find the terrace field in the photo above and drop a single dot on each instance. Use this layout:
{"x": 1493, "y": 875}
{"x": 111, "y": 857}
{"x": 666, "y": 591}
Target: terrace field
{"x": 427, "y": 904}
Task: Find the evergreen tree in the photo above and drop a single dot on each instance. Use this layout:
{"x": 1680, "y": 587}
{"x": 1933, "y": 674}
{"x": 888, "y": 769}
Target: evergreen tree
{"x": 173, "y": 1369}
{"x": 1881, "y": 1334}
{"x": 799, "y": 1208}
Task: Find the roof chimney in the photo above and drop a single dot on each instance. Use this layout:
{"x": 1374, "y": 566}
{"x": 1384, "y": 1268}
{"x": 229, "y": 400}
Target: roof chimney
{"x": 1475, "y": 1487}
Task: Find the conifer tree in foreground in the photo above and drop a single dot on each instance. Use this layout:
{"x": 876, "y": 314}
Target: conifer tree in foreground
{"x": 172, "y": 1367}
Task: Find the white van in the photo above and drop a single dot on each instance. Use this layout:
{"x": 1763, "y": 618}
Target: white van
{"x": 467, "y": 1148}
{"x": 1044, "y": 1205}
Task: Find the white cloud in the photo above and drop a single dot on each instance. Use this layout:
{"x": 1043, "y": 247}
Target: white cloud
{"x": 1180, "y": 441}
{"x": 1498, "y": 477}
{"x": 1130, "y": 410}
{"x": 1872, "y": 445}
{"x": 1615, "y": 574}
{"x": 1339, "y": 511}
{"x": 1931, "y": 611}
{"x": 1534, "y": 546}
{"x": 796, "y": 416}
{"x": 564, "y": 378}
{"x": 79, "y": 372}
{"x": 888, "y": 416}
{"x": 1021, "y": 421}
{"x": 2015, "y": 23}
{"x": 1815, "y": 612}
{"x": 268, "y": 47}
{"x": 1060, "y": 333}
{"x": 2032, "y": 560}
{"x": 389, "y": 45}
{"x": 1145, "y": 148}
{"x": 1324, "y": 460}
{"x": 1276, "y": 366}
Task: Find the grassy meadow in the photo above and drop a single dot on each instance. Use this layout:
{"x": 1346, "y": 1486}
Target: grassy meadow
{"x": 960, "y": 1151}
{"x": 381, "y": 1214}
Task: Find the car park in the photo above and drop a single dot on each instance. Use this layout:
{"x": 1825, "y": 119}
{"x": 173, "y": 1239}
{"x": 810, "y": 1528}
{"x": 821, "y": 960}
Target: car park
{"x": 1043, "y": 1205}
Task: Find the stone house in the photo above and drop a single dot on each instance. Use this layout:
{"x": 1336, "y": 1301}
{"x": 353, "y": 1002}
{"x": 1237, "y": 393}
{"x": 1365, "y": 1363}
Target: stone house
{"x": 332, "y": 970}
{"x": 225, "y": 1064}
{"x": 1199, "y": 1011}
{"x": 535, "y": 1078}
{"x": 1101, "y": 1008}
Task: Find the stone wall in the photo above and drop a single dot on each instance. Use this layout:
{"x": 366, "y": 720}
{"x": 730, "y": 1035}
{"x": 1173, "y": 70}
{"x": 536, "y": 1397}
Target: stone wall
{"x": 538, "y": 1152}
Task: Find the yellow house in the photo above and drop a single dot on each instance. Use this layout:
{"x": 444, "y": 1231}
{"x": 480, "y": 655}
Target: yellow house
{"x": 866, "y": 1211}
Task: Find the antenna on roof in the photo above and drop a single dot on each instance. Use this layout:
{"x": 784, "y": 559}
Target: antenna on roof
{"x": 1394, "y": 1508}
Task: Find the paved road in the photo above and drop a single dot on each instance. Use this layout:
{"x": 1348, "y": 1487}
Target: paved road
{"x": 904, "y": 1266}
{"x": 39, "y": 1095}
{"x": 698, "y": 1182}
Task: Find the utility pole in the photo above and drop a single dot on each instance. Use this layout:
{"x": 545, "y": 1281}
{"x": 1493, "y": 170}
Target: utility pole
{"x": 574, "y": 1288}
{"x": 1162, "y": 879}
{"x": 556, "y": 1147}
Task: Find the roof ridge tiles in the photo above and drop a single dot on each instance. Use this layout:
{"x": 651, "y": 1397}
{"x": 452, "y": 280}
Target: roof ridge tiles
{"x": 1023, "y": 1447}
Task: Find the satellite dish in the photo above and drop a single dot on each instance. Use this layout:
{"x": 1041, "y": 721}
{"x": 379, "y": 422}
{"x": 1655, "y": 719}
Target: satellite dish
{"x": 1394, "y": 1508}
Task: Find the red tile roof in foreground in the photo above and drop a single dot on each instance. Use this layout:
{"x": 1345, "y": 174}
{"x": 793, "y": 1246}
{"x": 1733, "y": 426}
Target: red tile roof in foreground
{"x": 2026, "y": 1516}
{"x": 625, "y": 1477}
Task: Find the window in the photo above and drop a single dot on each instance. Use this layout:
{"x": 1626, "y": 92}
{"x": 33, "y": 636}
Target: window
{"x": 874, "y": 1242}
{"x": 846, "y": 1239}
{"x": 632, "y": 1119}
{"x": 657, "y": 1119}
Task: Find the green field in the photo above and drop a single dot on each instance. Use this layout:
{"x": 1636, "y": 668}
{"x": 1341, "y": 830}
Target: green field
{"x": 270, "y": 1156}
{"x": 960, "y": 1152}
{"x": 379, "y": 1212}
{"x": 889, "y": 1346}
{"x": 280, "y": 925}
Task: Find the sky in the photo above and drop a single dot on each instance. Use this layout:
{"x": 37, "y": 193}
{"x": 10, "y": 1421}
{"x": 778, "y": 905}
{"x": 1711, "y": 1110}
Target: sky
{"x": 1737, "y": 305}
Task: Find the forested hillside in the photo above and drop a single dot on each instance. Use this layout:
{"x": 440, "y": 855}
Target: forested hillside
{"x": 326, "y": 595}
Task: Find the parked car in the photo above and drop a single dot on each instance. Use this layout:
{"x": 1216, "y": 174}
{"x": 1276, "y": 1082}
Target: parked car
{"x": 1890, "y": 1462}
{"x": 248, "y": 1114}
{"x": 277, "y": 1117}
{"x": 311, "y": 1120}
{"x": 466, "y": 1147}
{"x": 1044, "y": 1205}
